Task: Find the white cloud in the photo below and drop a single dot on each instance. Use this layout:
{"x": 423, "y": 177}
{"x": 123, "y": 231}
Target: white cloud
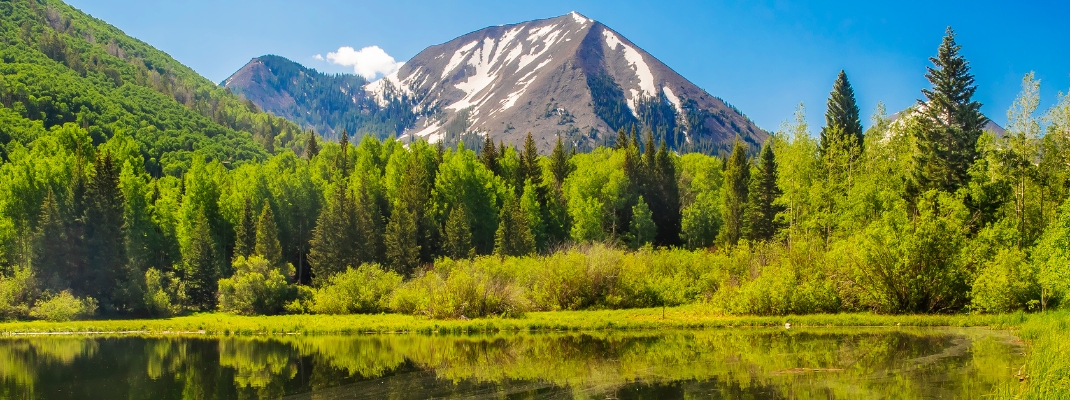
{"x": 318, "y": 57}
{"x": 367, "y": 62}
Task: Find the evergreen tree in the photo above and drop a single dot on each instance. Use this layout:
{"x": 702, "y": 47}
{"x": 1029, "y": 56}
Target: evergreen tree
{"x": 950, "y": 121}
{"x": 736, "y": 181}
{"x": 369, "y": 229}
{"x": 665, "y": 198}
{"x": 458, "y": 241}
{"x": 332, "y": 248}
{"x": 267, "y": 238}
{"x": 761, "y": 209}
{"x": 312, "y": 146}
{"x": 341, "y": 164}
{"x": 489, "y": 156}
{"x": 529, "y": 164}
{"x": 842, "y": 121}
{"x": 50, "y": 248}
{"x": 200, "y": 271}
{"x": 245, "y": 232}
{"x": 622, "y": 139}
{"x": 533, "y": 212}
{"x": 402, "y": 248}
{"x": 416, "y": 195}
{"x": 513, "y": 237}
{"x": 560, "y": 164}
{"x": 642, "y": 230}
{"x": 105, "y": 243}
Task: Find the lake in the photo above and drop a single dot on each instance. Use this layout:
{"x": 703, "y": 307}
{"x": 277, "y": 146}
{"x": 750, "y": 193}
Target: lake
{"x": 756, "y": 363}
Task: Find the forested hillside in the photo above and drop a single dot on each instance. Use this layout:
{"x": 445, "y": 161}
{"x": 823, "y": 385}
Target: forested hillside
{"x": 61, "y": 67}
{"x": 119, "y": 195}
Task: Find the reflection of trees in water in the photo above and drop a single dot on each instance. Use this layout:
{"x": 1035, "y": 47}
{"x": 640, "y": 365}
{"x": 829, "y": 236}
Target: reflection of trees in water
{"x": 841, "y": 363}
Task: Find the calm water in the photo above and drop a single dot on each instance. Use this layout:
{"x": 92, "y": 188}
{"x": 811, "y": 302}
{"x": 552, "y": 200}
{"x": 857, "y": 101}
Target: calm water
{"x": 727, "y": 363}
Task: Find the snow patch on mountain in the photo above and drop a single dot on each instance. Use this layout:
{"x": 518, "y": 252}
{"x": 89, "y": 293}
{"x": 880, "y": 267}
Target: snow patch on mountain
{"x": 673, "y": 99}
{"x": 642, "y": 70}
{"x": 458, "y": 58}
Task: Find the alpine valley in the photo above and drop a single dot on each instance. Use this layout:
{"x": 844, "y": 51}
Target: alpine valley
{"x": 568, "y": 76}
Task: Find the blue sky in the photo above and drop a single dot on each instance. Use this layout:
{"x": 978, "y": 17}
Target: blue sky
{"x": 763, "y": 57}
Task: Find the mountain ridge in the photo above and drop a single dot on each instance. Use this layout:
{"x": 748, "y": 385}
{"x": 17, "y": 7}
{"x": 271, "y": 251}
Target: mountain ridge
{"x": 569, "y": 76}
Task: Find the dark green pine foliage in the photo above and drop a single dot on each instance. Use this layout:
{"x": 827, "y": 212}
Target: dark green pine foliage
{"x": 560, "y": 162}
{"x": 402, "y": 247}
{"x": 761, "y": 224}
{"x": 950, "y": 121}
{"x": 369, "y": 229}
{"x": 514, "y": 237}
{"x": 341, "y": 164}
{"x": 245, "y": 232}
{"x": 312, "y": 146}
{"x": 51, "y": 248}
{"x": 665, "y": 198}
{"x": 622, "y": 139}
{"x": 642, "y": 229}
{"x": 842, "y": 122}
{"x": 267, "y": 238}
{"x": 489, "y": 156}
{"x": 200, "y": 270}
{"x": 529, "y": 165}
{"x": 334, "y": 240}
{"x": 736, "y": 182}
{"x": 458, "y": 240}
{"x": 105, "y": 243}
{"x": 416, "y": 196}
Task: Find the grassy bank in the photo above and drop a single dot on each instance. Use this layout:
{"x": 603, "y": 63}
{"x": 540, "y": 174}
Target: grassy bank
{"x": 685, "y": 317}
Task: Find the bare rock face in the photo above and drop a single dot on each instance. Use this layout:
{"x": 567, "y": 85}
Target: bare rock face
{"x": 568, "y": 76}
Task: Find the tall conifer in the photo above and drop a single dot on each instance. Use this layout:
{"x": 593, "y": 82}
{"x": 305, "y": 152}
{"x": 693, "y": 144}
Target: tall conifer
{"x": 245, "y": 232}
{"x": 842, "y": 121}
{"x": 736, "y": 182}
{"x": 267, "y": 238}
{"x": 761, "y": 208}
{"x": 105, "y": 243}
{"x": 400, "y": 239}
{"x": 950, "y": 121}
{"x": 458, "y": 240}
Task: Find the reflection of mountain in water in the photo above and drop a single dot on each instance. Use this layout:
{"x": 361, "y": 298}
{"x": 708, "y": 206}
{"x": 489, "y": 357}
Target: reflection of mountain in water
{"x": 731, "y": 363}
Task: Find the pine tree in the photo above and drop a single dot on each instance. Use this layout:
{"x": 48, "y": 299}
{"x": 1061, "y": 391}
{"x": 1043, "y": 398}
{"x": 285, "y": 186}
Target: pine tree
{"x": 402, "y": 248}
{"x": 761, "y": 209}
{"x": 666, "y": 198}
{"x": 332, "y": 248}
{"x": 312, "y": 146}
{"x": 51, "y": 247}
{"x": 489, "y": 156}
{"x": 200, "y": 271}
{"x": 642, "y": 230}
{"x": 105, "y": 243}
{"x": 513, "y": 237}
{"x": 950, "y": 121}
{"x": 416, "y": 195}
{"x": 529, "y": 164}
{"x": 736, "y": 181}
{"x": 245, "y": 232}
{"x": 341, "y": 164}
{"x": 560, "y": 164}
{"x": 368, "y": 238}
{"x": 458, "y": 243}
{"x": 842, "y": 121}
{"x": 267, "y": 238}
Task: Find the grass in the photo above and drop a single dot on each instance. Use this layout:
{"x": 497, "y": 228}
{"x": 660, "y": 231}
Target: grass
{"x": 684, "y": 317}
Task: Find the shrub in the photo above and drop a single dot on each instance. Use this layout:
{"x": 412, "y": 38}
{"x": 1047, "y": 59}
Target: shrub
{"x": 1007, "y": 283}
{"x": 256, "y": 287}
{"x": 161, "y": 294}
{"x": 16, "y": 293}
{"x": 64, "y": 307}
{"x": 465, "y": 288}
{"x": 362, "y": 290}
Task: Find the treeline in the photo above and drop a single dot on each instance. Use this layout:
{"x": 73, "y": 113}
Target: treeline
{"x": 926, "y": 213}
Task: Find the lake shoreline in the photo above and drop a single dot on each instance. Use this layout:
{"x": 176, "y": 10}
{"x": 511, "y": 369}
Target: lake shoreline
{"x": 686, "y": 317}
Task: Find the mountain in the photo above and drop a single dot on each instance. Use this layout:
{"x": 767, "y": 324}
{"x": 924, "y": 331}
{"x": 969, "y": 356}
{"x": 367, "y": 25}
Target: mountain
{"x": 62, "y": 68}
{"x": 568, "y": 75}
{"x": 897, "y": 120}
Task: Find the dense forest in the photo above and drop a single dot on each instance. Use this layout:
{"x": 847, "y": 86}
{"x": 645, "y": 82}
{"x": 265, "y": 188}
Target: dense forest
{"x": 129, "y": 185}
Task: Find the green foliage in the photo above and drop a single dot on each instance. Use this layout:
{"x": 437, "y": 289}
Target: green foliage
{"x": 64, "y": 307}
{"x": 514, "y": 237}
{"x": 642, "y": 228}
{"x": 402, "y": 247}
{"x": 257, "y": 287}
{"x": 736, "y": 185}
{"x": 267, "y": 238}
{"x": 16, "y": 293}
{"x": 842, "y": 123}
{"x": 362, "y": 290}
{"x": 762, "y": 209}
{"x": 458, "y": 234}
{"x": 162, "y": 293}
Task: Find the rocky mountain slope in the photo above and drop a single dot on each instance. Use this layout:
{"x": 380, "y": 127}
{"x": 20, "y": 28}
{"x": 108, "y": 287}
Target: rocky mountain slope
{"x": 569, "y": 76}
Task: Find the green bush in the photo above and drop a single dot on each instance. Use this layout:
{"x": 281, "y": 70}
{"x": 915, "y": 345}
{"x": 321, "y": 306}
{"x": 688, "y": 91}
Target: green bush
{"x": 256, "y": 287}
{"x": 64, "y": 307}
{"x": 362, "y": 290}
{"x": 161, "y": 294}
{"x": 1007, "y": 283}
{"x": 16, "y": 293}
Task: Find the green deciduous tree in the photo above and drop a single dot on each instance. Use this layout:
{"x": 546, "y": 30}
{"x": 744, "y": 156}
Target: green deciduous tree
{"x": 643, "y": 229}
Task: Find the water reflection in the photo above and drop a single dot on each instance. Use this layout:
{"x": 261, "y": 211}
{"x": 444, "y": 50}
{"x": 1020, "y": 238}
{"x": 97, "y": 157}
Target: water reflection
{"x": 729, "y": 363}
